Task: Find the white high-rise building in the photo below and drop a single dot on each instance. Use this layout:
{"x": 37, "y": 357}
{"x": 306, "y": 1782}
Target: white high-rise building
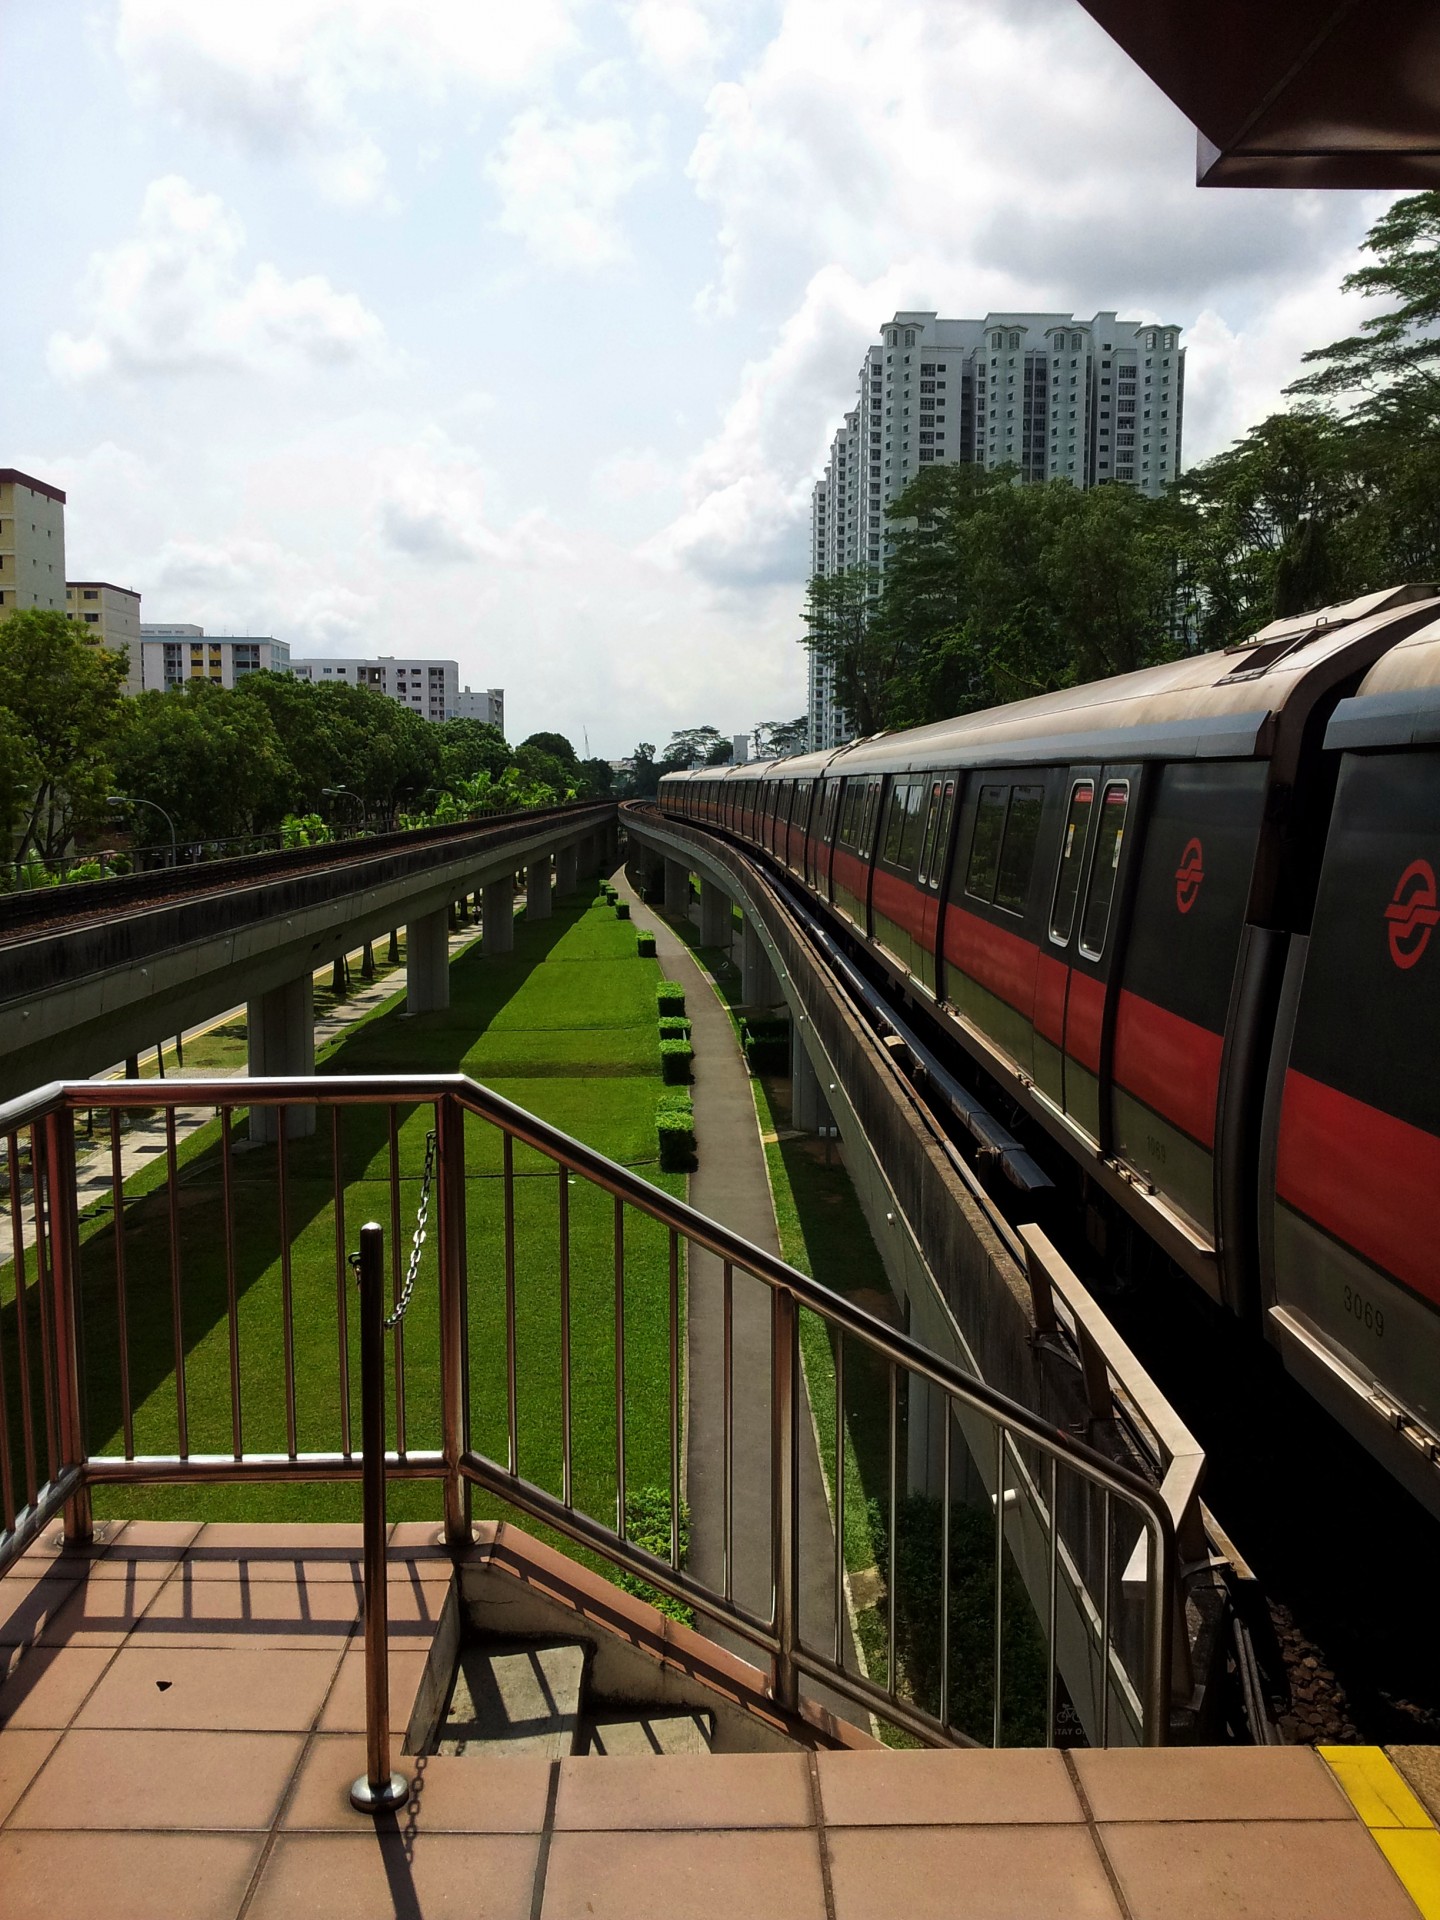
{"x": 428, "y": 687}
{"x": 1056, "y": 398}
{"x": 484, "y": 703}
{"x": 32, "y": 544}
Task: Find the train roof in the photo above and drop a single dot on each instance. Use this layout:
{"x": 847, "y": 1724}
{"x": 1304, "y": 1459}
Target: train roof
{"x": 1204, "y": 706}
{"x": 1398, "y": 702}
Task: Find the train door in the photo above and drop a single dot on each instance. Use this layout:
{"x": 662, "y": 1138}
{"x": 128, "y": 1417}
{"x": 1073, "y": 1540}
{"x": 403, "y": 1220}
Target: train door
{"x": 1083, "y": 933}
{"x": 1352, "y": 1164}
{"x": 990, "y": 935}
{"x": 821, "y": 836}
{"x": 795, "y": 840}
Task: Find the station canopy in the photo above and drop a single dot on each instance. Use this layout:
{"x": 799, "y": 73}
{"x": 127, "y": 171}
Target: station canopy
{"x": 1295, "y": 93}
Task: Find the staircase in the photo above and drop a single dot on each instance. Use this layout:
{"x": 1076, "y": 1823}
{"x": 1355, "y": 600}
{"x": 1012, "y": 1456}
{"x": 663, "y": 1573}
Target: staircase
{"x": 534, "y": 1655}
{"x": 532, "y": 1697}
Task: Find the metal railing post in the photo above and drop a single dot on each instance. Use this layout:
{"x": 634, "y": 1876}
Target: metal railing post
{"x": 450, "y": 1174}
{"x": 59, "y": 1174}
{"x": 784, "y": 1464}
{"x": 378, "y": 1790}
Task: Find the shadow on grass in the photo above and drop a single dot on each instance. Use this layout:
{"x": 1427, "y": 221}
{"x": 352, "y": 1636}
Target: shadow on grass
{"x": 184, "y": 1233}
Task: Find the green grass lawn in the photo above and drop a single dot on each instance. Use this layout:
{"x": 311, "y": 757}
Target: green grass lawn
{"x": 565, "y": 1027}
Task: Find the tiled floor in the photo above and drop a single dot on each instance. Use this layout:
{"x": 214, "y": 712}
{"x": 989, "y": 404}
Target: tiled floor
{"x": 182, "y": 1716}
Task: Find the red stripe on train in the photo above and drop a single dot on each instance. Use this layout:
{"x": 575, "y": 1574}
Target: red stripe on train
{"x": 998, "y": 960}
{"x": 1365, "y": 1176}
{"x": 1169, "y": 1063}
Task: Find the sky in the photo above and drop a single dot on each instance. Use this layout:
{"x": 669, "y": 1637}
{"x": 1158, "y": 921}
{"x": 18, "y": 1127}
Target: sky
{"x": 516, "y": 333}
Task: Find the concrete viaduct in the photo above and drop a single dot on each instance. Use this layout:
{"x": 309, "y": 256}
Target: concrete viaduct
{"x": 75, "y": 1000}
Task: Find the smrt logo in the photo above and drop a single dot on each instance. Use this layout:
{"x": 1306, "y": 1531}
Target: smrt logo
{"x": 1188, "y": 875}
{"x": 1412, "y": 913}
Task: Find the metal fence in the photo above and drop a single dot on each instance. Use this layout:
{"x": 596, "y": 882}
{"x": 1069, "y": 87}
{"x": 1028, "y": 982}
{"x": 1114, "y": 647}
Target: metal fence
{"x": 195, "y": 1320}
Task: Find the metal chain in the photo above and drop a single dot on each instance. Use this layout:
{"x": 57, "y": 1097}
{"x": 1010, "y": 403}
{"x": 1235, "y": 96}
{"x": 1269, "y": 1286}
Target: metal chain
{"x": 417, "y": 1243}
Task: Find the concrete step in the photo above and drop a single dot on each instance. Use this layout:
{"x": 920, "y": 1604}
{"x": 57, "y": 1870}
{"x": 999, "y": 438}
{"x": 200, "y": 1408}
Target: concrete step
{"x": 633, "y": 1730}
{"x": 515, "y": 1697}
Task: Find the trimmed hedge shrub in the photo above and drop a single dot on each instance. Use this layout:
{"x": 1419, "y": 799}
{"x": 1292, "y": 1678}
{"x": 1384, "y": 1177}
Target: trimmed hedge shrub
{"x": 645, "y": 945}
{"x": 672, "y": 1028}
{"x": 669, "y": 998}
{"x": 675, "y": 1058}
{"x": 622, "y": 909}
{"x": 766, "y": 1044}
{"x": 675, "y": 1129}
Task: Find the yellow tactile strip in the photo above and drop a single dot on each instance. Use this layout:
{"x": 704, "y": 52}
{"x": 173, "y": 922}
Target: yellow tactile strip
{"x": 1398, "y": 1823}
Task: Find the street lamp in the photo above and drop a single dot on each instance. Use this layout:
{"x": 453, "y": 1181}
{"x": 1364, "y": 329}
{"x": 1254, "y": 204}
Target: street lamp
{"x": 334, "y": 793}
{"x": 134, "y": 800}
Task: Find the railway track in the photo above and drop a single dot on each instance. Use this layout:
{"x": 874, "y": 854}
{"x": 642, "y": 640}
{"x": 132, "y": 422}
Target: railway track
{"x": 1334, "y": 1613}
{"x": 54, "y": 909}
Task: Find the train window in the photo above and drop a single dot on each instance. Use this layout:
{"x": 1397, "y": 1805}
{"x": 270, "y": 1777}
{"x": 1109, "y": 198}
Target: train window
{"x": 1072, "y": 860}
{"x": 942, "y": 837}
{"x": 849, "y": 814}
{"x": 1017, "y": 854}
{"x": 867, "y": 818}
{"x": 895, "y": 821}
{"x": 932, "y": 822}
{"x": 1110, "y": 835}
{"x": 985, "y": 843}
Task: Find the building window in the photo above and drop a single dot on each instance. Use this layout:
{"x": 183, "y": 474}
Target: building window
{"x": 93, "y": 619}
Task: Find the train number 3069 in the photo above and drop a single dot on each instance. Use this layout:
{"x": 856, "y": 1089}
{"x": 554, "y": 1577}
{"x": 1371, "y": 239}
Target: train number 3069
{"x": 1371, "y": 1317}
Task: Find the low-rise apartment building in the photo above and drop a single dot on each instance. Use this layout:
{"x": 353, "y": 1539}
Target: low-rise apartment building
{"x": 173, "y": 656}
{"x": 485, "y": 703}
{"x": 110, "y": 615}
{"x": 427, "y": 687}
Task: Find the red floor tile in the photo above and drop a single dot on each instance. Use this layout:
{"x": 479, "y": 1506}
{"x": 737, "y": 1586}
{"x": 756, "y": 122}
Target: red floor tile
{"x": 198, "y": 1782}
{"x": 125, "y": 1876}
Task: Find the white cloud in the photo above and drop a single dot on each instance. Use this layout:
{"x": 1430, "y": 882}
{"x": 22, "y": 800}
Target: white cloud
{"x": 561, "y": 182}
{"x": 303, "y": 78}
{"x": 175, "y": 299}
{"x": 676, "y": 39}
{"x": 1015, "y": 141}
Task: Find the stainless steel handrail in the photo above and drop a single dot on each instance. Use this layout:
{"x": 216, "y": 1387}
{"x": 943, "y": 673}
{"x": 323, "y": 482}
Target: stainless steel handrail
{"x": 1030, "y": 1453}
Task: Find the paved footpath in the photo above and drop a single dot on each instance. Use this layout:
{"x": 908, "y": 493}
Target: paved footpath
{"x": 732, "y": 1184}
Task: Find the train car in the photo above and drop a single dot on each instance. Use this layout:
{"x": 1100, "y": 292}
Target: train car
{"x": 1351, "y": 1172}
{"x": 1102, "y": 893}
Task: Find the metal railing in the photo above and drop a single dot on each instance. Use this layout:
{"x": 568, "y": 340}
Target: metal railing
{"x": 193, "y": 1323}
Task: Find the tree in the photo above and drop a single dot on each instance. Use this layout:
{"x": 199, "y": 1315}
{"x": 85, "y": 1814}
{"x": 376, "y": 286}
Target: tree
{"x": 542, "y": 768}
{"x": 62, "y": 692}
{"x": 214, "y": 761}
{"x": 692, "y": 746}
{"x": 19, "y": 773}
{"x": 644, "y": 772}
{"x": 337, "y": 735}
{"x": 599, "y": 778}
{"x": 847, "y": 633}
{"x": 555, "y": 745}
{"x": 468, "y": 747}
{"x": 774, "y": 738}
{"x": 1394, "y": 360}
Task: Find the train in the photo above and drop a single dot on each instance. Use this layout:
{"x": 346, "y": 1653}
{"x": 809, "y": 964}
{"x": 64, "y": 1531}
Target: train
{"x": 1187, "y": 920}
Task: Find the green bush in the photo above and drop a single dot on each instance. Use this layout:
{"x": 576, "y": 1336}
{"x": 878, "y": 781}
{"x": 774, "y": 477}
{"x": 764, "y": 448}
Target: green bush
{"x": 674, "y": 1029}
{"x": 675, "y": 1058}
{"x": 675, "y": 1128}
{"x": 622, "y": 909}
{"x": 766, "y": 1044}
{"x": 647, "y": 1525}
{"x": 645, "y": 945}
{"x": 670, "y": 997}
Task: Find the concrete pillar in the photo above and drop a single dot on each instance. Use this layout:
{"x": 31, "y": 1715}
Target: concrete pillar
{"x": 427, "y": 962}
{"x": 758, "y": 985}
{"x": 677, "y": 889}
{"x": 716, "y": 921}
{"x": 809, "y": 1109}
{"x": 567, "y": 876}
{"x": 280, "y": 1039}
{"x": 537, "y": 889}
{"x": 497, "y": 917}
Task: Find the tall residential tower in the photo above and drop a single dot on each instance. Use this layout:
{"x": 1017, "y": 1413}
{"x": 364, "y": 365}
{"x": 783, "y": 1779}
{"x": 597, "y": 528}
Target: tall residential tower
{"x": 1055, "y": 398}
